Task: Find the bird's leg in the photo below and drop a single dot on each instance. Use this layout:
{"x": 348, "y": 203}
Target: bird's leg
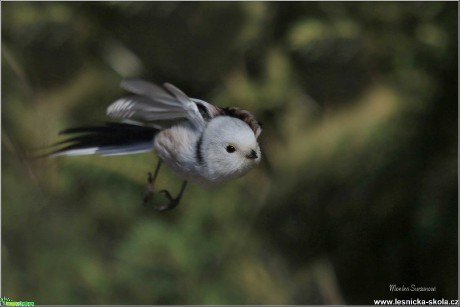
{"x": 150, "y": 183}
{"x": 173, "y": 202}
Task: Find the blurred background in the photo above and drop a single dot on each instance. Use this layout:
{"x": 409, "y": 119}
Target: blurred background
{"x": 358, "y": 189}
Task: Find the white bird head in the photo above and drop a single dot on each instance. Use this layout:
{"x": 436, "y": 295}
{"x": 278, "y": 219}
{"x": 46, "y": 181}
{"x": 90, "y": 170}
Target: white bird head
{"x": 229, "y": 148}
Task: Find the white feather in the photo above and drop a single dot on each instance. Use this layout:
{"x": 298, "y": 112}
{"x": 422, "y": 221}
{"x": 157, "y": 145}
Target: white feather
{"x": 76, "y": 152}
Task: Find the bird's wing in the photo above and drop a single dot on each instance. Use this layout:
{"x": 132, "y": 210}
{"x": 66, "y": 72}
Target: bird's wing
{"x": 151, "y": 104}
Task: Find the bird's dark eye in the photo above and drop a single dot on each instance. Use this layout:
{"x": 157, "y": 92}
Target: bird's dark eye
{"x": 230, "y": 149}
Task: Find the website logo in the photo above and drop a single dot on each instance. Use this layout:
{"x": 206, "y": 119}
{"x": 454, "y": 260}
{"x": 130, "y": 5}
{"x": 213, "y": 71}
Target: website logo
{"x": 6, "y": 301}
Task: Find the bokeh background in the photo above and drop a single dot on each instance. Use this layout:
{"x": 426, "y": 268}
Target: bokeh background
{"x": 358, "y": 189}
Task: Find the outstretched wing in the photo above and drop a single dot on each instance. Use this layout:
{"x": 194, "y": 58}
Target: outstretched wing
{"x": 151, "y": 104}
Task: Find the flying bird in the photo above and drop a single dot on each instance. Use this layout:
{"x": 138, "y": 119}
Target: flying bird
{"x": 203, "y": 143}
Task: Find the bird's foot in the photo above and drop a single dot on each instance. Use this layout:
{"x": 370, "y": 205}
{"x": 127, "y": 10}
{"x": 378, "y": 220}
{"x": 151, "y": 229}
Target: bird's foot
{"x": 173, "y": 202}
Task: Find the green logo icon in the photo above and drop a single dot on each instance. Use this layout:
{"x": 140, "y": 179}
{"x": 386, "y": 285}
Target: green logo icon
{"x": 6, "y": 301}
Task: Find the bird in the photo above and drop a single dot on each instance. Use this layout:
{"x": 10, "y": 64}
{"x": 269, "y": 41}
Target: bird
{"x": 201, "y": 142}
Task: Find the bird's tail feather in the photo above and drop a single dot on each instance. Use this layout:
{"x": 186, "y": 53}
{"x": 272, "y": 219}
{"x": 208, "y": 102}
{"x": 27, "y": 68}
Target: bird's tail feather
{"x": 110, "y": 139}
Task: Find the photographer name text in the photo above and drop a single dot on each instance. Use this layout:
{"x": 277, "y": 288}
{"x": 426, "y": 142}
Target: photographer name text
{"x": 411, "y": 288}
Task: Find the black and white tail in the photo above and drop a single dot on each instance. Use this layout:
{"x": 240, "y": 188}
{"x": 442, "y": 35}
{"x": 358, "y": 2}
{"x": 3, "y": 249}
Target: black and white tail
{"x": 109, "y": 139}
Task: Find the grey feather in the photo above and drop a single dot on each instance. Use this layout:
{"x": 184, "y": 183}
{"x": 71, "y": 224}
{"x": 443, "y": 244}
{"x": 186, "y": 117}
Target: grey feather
{"x": 151, "y": 104}
{"x": 150, "y": 90}
{"x": 143, "y": 109}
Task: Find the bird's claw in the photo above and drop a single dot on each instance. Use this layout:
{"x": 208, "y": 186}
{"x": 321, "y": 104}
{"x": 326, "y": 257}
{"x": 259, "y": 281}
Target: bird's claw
{"x": 173, "y": 202}
{"x": 167, "y": 194}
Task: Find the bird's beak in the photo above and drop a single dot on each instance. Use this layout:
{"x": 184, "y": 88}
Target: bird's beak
{"x": 252, "y": 155}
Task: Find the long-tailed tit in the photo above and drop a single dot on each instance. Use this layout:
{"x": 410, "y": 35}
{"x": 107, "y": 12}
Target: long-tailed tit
{"x": 201, "y": 142}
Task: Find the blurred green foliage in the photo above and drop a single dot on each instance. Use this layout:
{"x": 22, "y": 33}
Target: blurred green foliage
{"x": 358, "y": 189}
